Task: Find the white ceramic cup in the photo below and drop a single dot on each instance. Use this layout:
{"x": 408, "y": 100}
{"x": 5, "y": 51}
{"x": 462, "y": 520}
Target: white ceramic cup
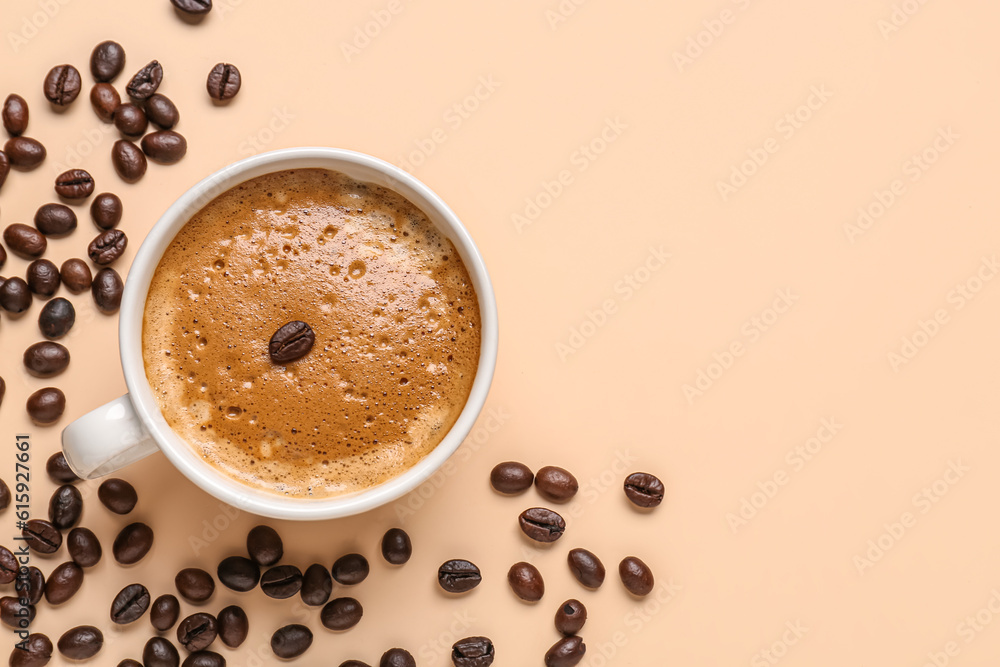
{"x": 132, "y": 426}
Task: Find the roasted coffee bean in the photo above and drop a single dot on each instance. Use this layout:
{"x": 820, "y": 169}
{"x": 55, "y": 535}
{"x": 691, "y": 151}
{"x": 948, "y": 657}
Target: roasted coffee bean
{"x": 81, "y": 642}
{"x": 164, "y": 146}
{"x": 459, "y": 576}
{"x": 59, "y": 471}
{"x": 239, "y": 573}
{"x": 43, "y": 277}
{"x": 117, "y": 495}
{"x": 586, "y": 567}
{"x": 65, "y": 507}
{"x": 130, "y": 120}
{"x": 291, "y": 641}
{"x": 145, "y": 82}
{"x": 542, "y": 525}
{"x": 15, "y": 115}
{"x": 46, "y": 406}
{"x": 35, "y": 651}
{"x": 107, "y": 247}
{"x": 8, "y": 566}
{"x": 194, "y": 584}
{"x": 350, "y": 570}
{"x": 4, "y": 171}
{"x": 15, "y": 295}
{"x": 106, "y": 210}
{"x": 636, "y": 576}
{"x": 35, "y": 589}
{"x": 55, "y": 219}
{"x": 12, "y": 612}
{"x": 197, "y": 631}
{"x": 194, "y": 7}
{"x": 62, "y": 85}
{"x": 159, "y": 652}
{"x": 4, "y": 489}
{"x": 41, "y": 536}
{"x": 130, "y": 604}
{"x": 129, "y": 162}
{"x": 264, "y": 545}
{"x": 107, "y": 61}
{"x": 46, "y": 359}
{"x": 566, "y": 652}
{"x": 511, "y": 478}
{"x": 556, "y": 484}
{"x": 396, "y": 546}
{"x": 233, "y": 626}
{"x": 204, "y": 659}
{"x": 107, "y": 290}
{"x": 132, "y": 543}
{"x": 63, "y": 583}
{"x": 281, "y": 582}
{"x": 24, "y": 153}
{"x": 644, "y": 490}
{"x": 290, "y": 342}
{"x": 164, "y": 612}
{"x": 223, "y": 82}
{"x": 3, "y": 390}
{"x": 571, "y": 617}
{"x": 24, "y": 241}
{"x": 341, "y": 614}
{"x": 74, "y": 184}
{"x": 161, "y": 112}
{"x": 129, "y": 662}
{"x": 354, "y": 663}
{"x": 526, "y": 582}
{"x": 76, "y": 275}
{"x": 397, "y": 657}
{"x": 316, "y": 585}
{"x": 84, "y": 547}
{"x": 472, "y": 652}
{"x": 105, "y": 100}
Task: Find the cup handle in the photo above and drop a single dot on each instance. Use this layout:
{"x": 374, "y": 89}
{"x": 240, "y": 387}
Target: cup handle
{"x": 106, "y": 439}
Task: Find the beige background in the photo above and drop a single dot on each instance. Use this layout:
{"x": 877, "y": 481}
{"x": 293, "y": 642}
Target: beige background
{"x": 593, "y": 368}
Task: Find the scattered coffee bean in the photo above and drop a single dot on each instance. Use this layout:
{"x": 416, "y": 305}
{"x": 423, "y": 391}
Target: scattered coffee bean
{"x": 636, "y": 576}
{"x": 459, "y": 576}
{"x": 644, "y": 490}
{"x": 107, "y": 61}
{"x": 161, "y": 112}
{"x": 55, "y": 219}
{"x": 117, "y": 495}
{"x": 145, "y": 82}
{"x": 472, "y": 652}
{"x": 43, "y": 277}
{"x": 35, "y": 588}
{"x": 107, "y": 290}
{"x": 130, "y": 604}
{"x": 264, "y": 545}
{"x": 129, "y": 662}
{"x": 84, "y": 547}
{"x": 65, "y": 507}
{"x": 204, "y": 659}
{"x": 397, "y": 657}
{"x": 396, "y": 546}
{"x": 129, "y": 162}
{"x": 571, "y": 617}
{"x": 164, "y": 146}
{"x": 41, "y": 536}
{"x": 130, "y": 120}
{"x": 12, "y": 612}
{"x": 15, "y": 115}
{"x": 164, "y": 612}
{"x": 291, "y": 641}
{"x": 290, "y": 342}
{"x": 81, "y": 643}
{"x": 193, "y": 7}
{"x": 62, "y": 85}
{"x": 350, "y": 570}
{"x": 233, "y": 626}
{"x": 24, "y": 153}
{"x": 8, "y": 566}
{"x": 223, "y": 82}
{"x": 354, "y": 663}
{"x": 511, "y": 477}
{"x": 4, "y": 171}
{"x": 556, "y": 484}
{"x": 194, "y": 584}
{"x": 59, "y": 471}
{"x": 4, "y": 489}
{"x": 107, "y": 247}
{"x": 239, "y": 573}
{"x": 76, "y": 275}
{"x": 46, "y": 359}
{"x": 3, "y": 390}
{"x": 132, "y": 543}
{"x": 197, "y": 631}
{"x": 566, "y": 652}
{"x": 105, "y": 100}
{"x": 35, "y": 651}
{"x": 586, "y": 567}
{"x": 74, "y": 184}
{"x": 526, "y": 582}
{"x": 316, "y": 585}
{"x": 15, "y": 296}
{"x": 159, "y": 652}
{"x": 46, "y": 406}
{"x": 282, "y": 581}
{"x": 542, "y": 525}
{"x": 57, "y": 318}
{"x": 341, "y": 614}
{"x": 106, "y": 210}
{"x": 24, "y": 241}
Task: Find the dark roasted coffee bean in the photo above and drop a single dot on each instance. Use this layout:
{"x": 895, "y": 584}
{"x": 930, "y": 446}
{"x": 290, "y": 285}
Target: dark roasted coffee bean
{"x": 145, "y": 82}
{"x": 3, "y": 390}
{"x": 24, "y": 241}
{"x": 161, "y": 112}
{"x": 130, "y": 120}
{"x": 239, "y": 573}
{"x": 15, "y": 295}
{"x": 35, "y": 651}
{"x": 397, "y": 657}
{"x": 291, "y": 641}
{"x": 46, "y": 359}
{"x": 105, "y": 99}
{"x": 107, "y": 61}
{"x": 129, "y": 662}
{"x": 55, "y": 219}
{"x": 13, "y": 613}
{"x": 15, "y": 115}
{"x": 84, "y": 547}
{"x": 526, "y": 582}
{"x": 159, "y": 652}
{"x": 566, "y": 652}
{"x": 4, "y": 172}
{"x": 117, "y": 495}
{"x": 130, "y": 604}
{"x": 396, "y": 546}
{"x": 35, "y": 589}
{"x": 511, "y": 477}
{"x": 8, "y": 566}
{"x": 46, "y": 406}
{"x": 350, "y": 570}
{"x": 4, "y": 489}
{"x": 75, "y": 184}
{"x": 194, "y": 7}
{"x": 65, "y": 507}
{"x": 472, "y": 652}
{"x": 41, "y": 536}
{"x": 341, "y": 614}
{"x": 106, "y": 210}
{"x": 586, "y": 567}
{"x": 264, "y": 545}
{"x": 24, "y": 153}
{"x": 290, "y": 342}
{"x": 43, "y": 277}
{"x": 316, "y": 585}
{"x": 62, "y": 85}
{"x": 354, "y": 663}
{"x": 197, "y": 631}
{"x": 194, "y": 584}
{"x": 164, "y": 146}
{"x": 164, "y": 612}
{"x": 132, "y": 543}
{"x": 459, "y": 576}
{"x": 129, "y": 162}
{"x": 59, "y": 471}
{"x": 643, "y": 489}
{"x": 204, "y": 659}
{"x": 556, "y": 484}
{"x": 224, "y": 82}
{"x": 76, "y": 275}
{"x": 281, "y": 582}
{"x": 636, "y": 576}
{"x": 107, "y": 290}
{"x": 81, "y": 642}
{"x": 542, "y": 525}
{"x": 571, "y": 617}
{"x": 107, "y": 247}
{"x": 233, "y": 625}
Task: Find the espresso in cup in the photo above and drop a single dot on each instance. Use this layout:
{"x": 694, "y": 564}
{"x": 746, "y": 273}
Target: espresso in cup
{"x": 392, "y": 306}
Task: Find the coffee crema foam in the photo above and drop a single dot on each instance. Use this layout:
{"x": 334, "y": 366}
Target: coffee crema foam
{"x": 394, "y": 311}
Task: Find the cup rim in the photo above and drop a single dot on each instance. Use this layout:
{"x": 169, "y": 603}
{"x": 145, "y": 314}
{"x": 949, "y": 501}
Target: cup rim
{"x": 182, "y": 455}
